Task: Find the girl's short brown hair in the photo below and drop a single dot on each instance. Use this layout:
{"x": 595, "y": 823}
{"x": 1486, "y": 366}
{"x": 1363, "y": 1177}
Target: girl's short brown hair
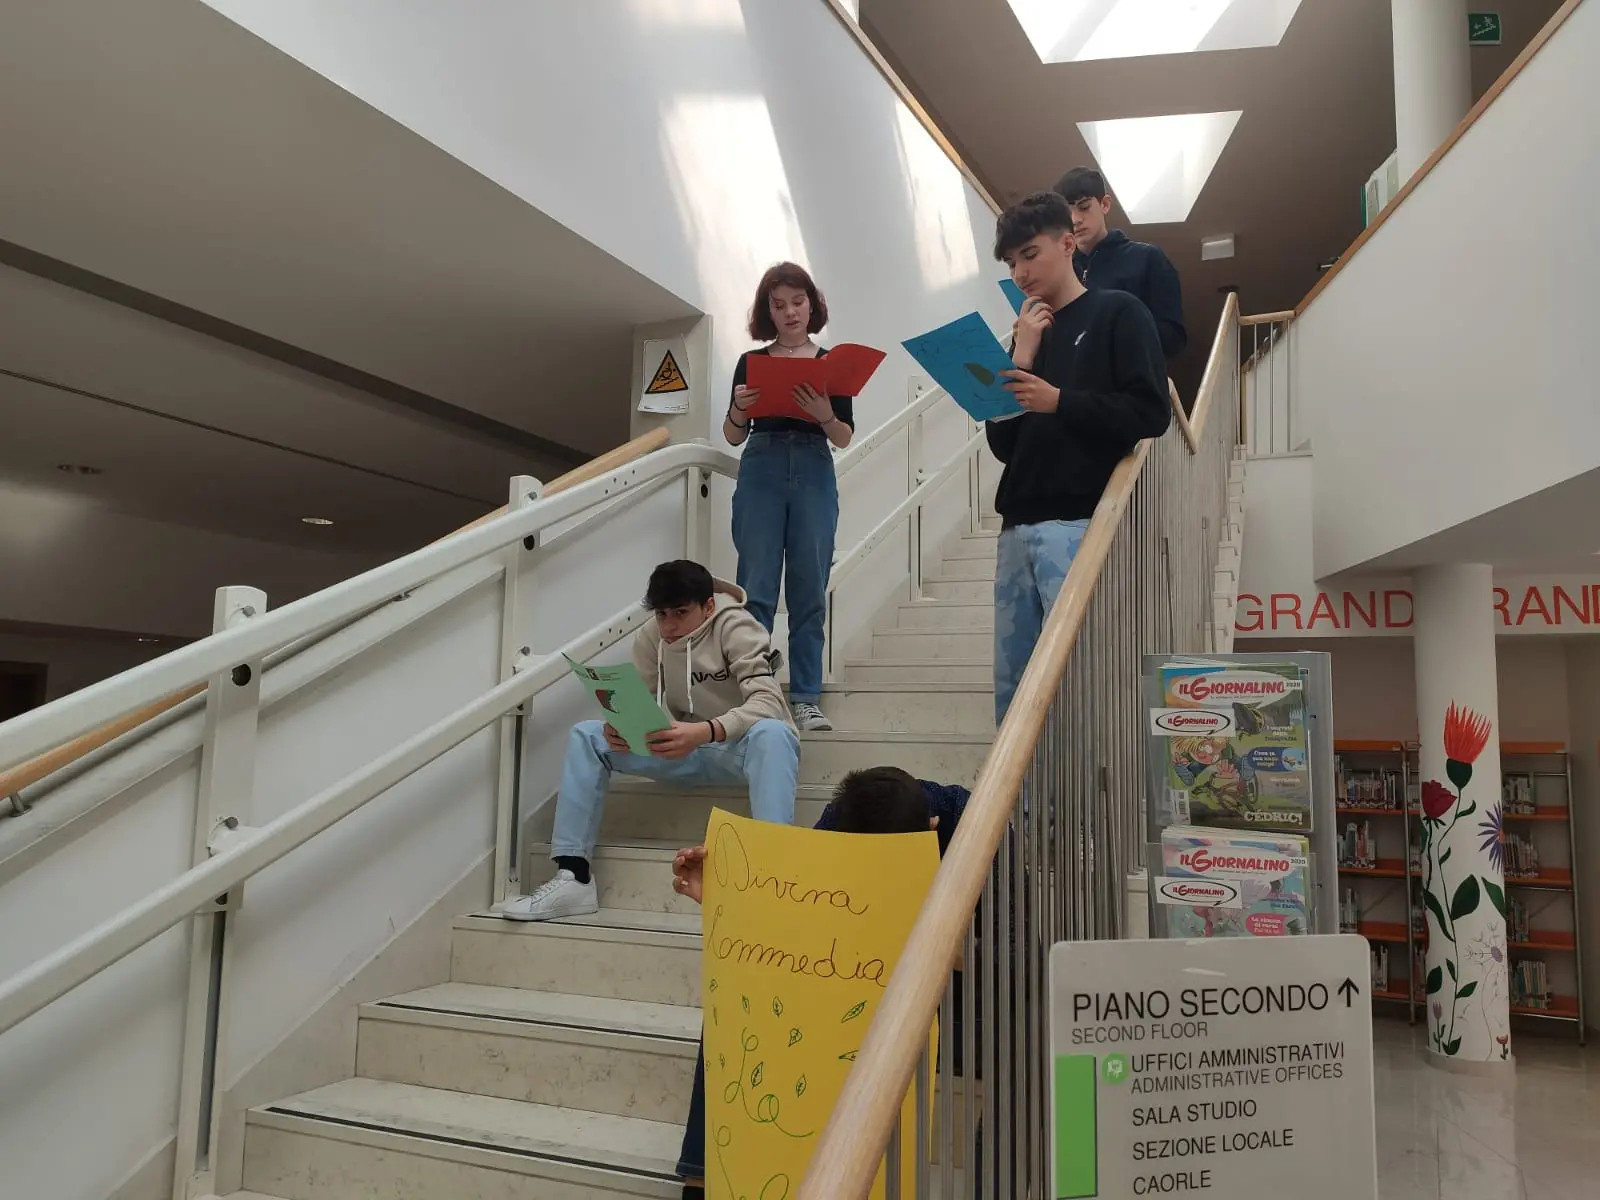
{"x": 785, "y": 274}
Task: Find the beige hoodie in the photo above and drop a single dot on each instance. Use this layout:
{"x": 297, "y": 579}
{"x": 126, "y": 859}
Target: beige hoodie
{"x": 726, "y": 669}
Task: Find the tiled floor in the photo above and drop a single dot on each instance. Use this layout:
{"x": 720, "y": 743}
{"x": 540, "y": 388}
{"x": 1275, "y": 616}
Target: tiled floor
{"x": 1443, "y": 1136}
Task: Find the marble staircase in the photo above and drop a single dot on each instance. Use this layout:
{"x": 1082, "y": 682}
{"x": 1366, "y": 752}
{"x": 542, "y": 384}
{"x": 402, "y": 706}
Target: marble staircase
{"x": 555, "y": 1064}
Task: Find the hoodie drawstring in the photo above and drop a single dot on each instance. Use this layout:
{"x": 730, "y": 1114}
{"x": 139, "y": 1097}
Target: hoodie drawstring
{"x": 688, "y": 673}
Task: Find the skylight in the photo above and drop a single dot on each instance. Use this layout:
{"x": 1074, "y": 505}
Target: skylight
{"x": 1156, "y": 166}
{"x": 1080, "y": 30}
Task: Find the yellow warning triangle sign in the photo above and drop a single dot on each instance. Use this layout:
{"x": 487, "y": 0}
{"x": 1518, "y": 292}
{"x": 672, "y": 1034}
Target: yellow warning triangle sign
{"x": 667, "y": 378}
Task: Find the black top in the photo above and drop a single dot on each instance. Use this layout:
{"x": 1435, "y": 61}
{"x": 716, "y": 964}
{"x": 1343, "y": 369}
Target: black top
{"x": 1105, "y": 356}
{"x": 844, "y": 407}
{"x": 1142, "y": 270}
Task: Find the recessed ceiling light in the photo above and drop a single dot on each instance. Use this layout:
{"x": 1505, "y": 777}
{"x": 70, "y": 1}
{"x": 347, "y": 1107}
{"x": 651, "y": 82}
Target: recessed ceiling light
{"x": 1081, "y": 30}
{"x": 79, "y": 469}
{"x": 1156, "y": 166}
{"x": 147, "y": 641}
{"x": 315, "y": 521}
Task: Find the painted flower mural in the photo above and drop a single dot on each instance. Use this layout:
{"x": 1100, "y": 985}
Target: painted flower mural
{"x": 1453, "y": 895}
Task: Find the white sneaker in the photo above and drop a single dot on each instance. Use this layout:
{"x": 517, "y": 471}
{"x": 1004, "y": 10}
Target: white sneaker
{"x": 808, "y": 718}
{"x": 563, "y": 896}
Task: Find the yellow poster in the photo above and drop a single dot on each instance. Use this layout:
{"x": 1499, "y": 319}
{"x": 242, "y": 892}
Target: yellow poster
{"x": 802, "y": 929}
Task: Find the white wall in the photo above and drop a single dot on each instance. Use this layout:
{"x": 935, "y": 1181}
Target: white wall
{"x": 1449, "y": 368}
{"x": 698, "y": 141}
{"x": 164, "y": 575}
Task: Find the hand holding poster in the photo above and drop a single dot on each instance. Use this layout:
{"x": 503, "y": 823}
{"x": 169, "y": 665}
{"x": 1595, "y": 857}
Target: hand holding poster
{"x": 802, "y": 930}
{"x": 843, "y": 371}
{"x": 967, "y": 360}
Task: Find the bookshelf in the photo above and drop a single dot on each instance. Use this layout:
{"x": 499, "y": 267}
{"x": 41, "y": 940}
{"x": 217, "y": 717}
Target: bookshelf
{"x": 1545, "y": 962}
{"x": 1539, "y": 844}
{"x": 1373, "y": 786}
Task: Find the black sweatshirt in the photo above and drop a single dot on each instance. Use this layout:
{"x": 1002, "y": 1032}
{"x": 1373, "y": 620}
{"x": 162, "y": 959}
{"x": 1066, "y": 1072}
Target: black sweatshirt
{"x": 1141, "y": 270}
{"x": 1104, "y": 354}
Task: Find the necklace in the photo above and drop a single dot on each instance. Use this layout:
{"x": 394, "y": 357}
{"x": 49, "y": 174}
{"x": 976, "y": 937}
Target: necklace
{"x": 790, "y": 351}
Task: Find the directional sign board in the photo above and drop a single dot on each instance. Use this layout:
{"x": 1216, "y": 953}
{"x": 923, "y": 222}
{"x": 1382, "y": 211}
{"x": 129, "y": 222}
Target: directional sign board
{"x": 1217, "y": 1069}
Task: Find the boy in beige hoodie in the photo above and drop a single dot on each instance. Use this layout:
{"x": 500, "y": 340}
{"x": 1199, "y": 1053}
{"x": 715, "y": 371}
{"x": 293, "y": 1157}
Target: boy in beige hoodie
{"x": 715, "y": 674}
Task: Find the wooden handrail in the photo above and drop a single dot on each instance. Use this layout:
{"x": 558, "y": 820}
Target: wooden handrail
{"x": 42, "y": 766}
{"x": 864, "y": 1117}
{"x": 1182, "y": 418}
{"x": 1268, "y": 318}
{"x": 1214, "y": 366}
{"x": 26, "y": 774}
{"x": 1533, "y": 47}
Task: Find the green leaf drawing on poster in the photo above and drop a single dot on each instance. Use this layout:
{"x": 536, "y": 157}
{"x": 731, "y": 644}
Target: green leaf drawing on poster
{"x": 794, "y": 1036}
{"x": 848, "y": 1056}
{"x": 1435, "y": 980}
{"x": 1437, "y": 910}
{"x": 1497, "y": 896}
{"x": 1451, "y": 967}
{"x": 777, "y": 1007}
{"x": 800, "y": 1086}
{"x": 1467, "y": 989}
{"x": 1466, "y": 898}
{"x": 854, "y": 1013}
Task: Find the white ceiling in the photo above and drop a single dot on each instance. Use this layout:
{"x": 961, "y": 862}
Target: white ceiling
{"x": 371, "y": 306}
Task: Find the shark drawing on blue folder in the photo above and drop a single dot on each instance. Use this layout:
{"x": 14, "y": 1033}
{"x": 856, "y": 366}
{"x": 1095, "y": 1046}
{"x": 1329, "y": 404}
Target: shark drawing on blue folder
{"x": 966, "y": 360}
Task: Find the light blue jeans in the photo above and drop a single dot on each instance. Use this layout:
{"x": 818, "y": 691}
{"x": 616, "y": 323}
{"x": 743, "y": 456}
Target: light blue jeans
{"x": 785, "y": 516}
{"x": 1030, "y": 567}
{"x": 767, "y": 758}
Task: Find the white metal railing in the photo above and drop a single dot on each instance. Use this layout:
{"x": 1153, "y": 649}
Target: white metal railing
{"x": 1267, "y": 386}
{"x": 921, "y": 484}
{"x": 257, "y": 659}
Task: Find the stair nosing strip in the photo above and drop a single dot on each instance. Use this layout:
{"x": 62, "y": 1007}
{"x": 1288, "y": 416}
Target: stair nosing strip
{"x": 538, "y": 1021}
{"x": 442, "y": 1139}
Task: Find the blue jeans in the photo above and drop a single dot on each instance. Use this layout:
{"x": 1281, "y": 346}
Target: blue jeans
{"x": 785, "y": 515}
{"x": 692, "y": 1158}
{"x": 767, "y": 758}
{"x": 1030, "y": 567}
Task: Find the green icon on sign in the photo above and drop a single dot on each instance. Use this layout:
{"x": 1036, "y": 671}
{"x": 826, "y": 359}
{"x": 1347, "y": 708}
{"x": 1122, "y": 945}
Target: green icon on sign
{"x": 1114, "y": 1068}
{"x": 1483, "y": 29}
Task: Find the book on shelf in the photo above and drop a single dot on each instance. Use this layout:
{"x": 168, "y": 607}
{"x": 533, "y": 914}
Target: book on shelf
{"x": 1516, "y": 794}
{"x": 1380, "y": 967}
{"x": 1520, "y": 856}
{"x": 1517, "y": 920}
{"x": 1530, "y": 984}
{"x": 1349, "y": 911}
{"x": 1419, "y": 974}
{"x": 1358, "y": 787}
{"x": 1419, "y": 922}
{"x": 1356, "y": 847}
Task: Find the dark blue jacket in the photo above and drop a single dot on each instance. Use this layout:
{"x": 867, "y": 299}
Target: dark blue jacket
{"x": 1123, "y": 265}
{"x": 947, "y": 801}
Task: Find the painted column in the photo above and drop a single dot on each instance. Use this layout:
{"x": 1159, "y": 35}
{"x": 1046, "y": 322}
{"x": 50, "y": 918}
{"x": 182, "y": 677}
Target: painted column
{"x": 1432, "y": 76}
{"x": 1463, "y": 881}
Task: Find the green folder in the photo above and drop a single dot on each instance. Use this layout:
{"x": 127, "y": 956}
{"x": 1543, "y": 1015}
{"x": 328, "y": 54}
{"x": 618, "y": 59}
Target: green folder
{"x": 628, "y": 704}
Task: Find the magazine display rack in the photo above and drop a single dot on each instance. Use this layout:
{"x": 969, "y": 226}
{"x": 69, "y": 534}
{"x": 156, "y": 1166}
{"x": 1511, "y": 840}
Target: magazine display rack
{"x": 1240, "y": 830}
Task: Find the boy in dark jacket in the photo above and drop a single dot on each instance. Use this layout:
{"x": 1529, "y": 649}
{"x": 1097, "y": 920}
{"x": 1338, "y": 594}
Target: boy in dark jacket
{"x": 1092, "y": 383}
{"x": 1108, "y": 258}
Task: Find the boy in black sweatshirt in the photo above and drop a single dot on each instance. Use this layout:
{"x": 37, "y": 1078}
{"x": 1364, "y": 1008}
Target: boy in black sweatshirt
{"x": 1092, "y": 379}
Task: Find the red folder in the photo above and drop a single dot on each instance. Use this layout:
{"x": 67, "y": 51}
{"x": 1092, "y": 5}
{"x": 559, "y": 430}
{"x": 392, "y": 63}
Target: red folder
{"x": 843, "y": 372}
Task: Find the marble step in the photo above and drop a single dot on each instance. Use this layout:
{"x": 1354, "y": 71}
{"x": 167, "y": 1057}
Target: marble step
{"x": 631, "y": 872}
{"x": 963, "y": 569}
{"x": 365, "y": 1139}
{"x": 368, "y": 1139}
{"x": 909, "y": 672}
{"x": 934, "y": 645}
{"x": 912, "y": 708}
{"x": 635, "y": 809}
{"x": 623, "y": 1057}
{"x": 825, "y": 758}
{"x": 982, "y": 546}
{"x": 949, "y": 615}
{"x": 618, "y": 954}
{"x": 972, "y": 591}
